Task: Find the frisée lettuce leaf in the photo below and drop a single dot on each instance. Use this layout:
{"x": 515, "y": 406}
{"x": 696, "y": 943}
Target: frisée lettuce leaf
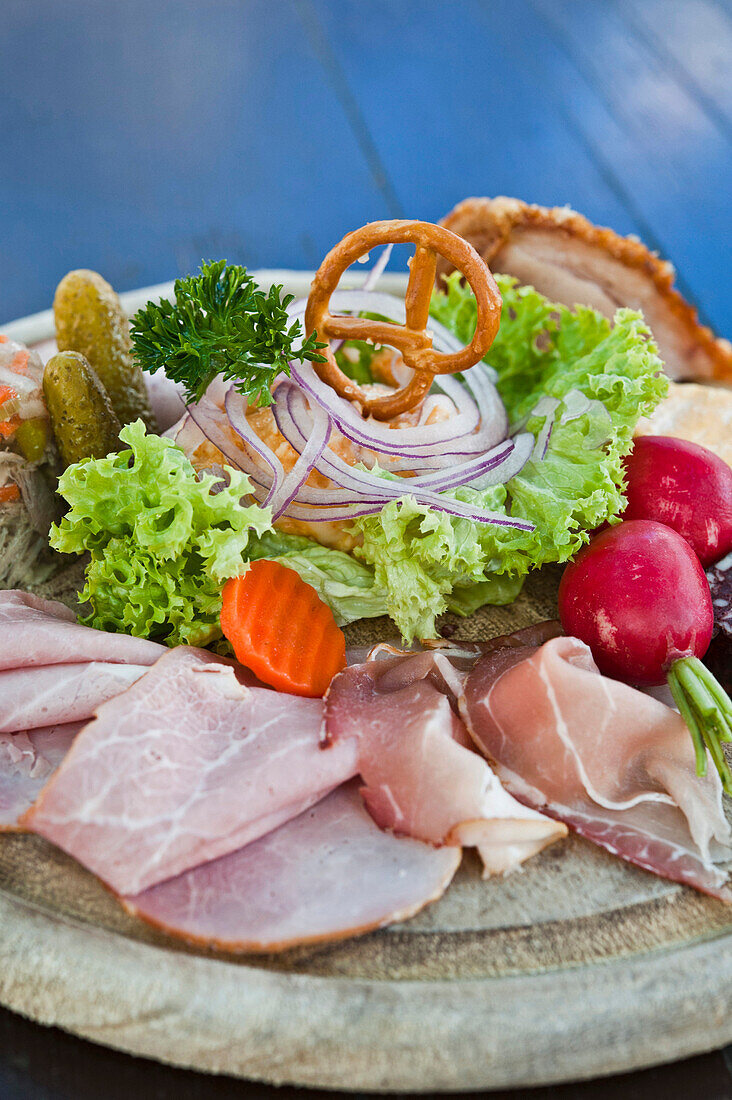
{"x": 162, "y": 539}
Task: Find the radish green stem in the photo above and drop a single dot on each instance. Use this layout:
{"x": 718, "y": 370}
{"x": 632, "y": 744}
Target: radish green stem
{"x": 688, "y": 716}
{"x": 707, "y": 710}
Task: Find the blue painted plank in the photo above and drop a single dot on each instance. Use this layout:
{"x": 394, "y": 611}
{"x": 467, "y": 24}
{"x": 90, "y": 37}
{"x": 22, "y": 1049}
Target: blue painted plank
{"x": 497, "y": 98}
{"x": 141, "y": 136}
{"x": 456, "y": 102}
{"x": 670, "y": 157}
{"x": 694, "y": 40}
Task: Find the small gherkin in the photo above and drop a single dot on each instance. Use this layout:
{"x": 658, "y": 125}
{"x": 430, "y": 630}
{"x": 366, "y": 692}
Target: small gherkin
{"x": 90, "y": 320}
{"x": 83, "y": 420}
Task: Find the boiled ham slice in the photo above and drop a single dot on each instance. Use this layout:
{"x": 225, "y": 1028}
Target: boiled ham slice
{"x": 185, "y": 766}
{"x": 327, "y": 874}
{"x": 53, "y": 670}
{"x": 613, "y": 763}
{"x": 54, "y": 694}
{"x": 27, "y": 761}
{"x": 420, "y": 778}
{"x": 36, "y": 632}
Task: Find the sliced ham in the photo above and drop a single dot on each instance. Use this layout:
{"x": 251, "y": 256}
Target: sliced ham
{"x": 420, "y": 778}
{"x": 185, "y": 766}
{"x": 613, "y": 763}
{"x": 54, "y": 694}
{"x": 36, "y": 632}
{"x": 27, "y": 761}
{"x": 327, "y": 874}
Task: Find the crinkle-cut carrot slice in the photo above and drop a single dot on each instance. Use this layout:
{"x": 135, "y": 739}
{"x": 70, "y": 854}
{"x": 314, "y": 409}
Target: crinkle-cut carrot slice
{"x": 281, "y": 629}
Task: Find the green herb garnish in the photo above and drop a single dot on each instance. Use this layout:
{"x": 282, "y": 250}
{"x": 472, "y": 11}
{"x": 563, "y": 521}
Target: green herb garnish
{"x": 223, "y": 324}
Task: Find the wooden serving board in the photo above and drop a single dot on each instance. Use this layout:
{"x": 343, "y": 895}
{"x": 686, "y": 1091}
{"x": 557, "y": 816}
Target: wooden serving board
{"x": 577, "y": 966}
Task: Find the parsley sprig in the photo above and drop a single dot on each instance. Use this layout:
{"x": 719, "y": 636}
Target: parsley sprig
{"x": 221, "y": 323}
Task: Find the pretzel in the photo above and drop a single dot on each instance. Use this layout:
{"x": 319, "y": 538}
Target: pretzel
{"x": 412, "y": 340}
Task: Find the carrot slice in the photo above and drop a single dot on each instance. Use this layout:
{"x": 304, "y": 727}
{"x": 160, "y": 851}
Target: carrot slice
{"x": 281, "y": 629}
{"x": 9, "y": 427}
{"x": 9, "y": 493}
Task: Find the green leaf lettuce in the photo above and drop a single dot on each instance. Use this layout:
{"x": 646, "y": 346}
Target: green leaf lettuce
{"x": 162, "y": 540}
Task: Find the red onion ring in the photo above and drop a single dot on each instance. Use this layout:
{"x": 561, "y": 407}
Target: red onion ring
{"x": 493, "y": 467}
{"x": 315, "y": 444}
{"x": 471, "y": 447}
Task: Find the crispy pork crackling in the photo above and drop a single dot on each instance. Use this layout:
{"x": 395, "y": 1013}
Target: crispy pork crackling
{"x": 572, "y": 261}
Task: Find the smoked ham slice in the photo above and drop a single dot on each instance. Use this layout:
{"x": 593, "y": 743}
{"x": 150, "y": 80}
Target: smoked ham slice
{"x": 27, "y": 761}
{"x": 53, "y": 670}
{"x": 327, "y": 874}
{"x": 185, "y": 766}
{"x": 420, "y": 778}
{"x": 574, "y": 262}
{"x": 55, "y": 694}
{"x": 613, "y": 763}
{"x": 44, "y": 632}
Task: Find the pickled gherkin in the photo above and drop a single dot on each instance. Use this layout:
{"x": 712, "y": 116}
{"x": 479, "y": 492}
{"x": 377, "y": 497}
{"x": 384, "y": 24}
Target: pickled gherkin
{"x": 31, "y": 437}
{"x": 82, "y": 417}
{"x": 90, "y": 320}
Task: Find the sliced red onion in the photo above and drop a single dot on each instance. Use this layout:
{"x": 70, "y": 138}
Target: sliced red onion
{"x": 449, "y": 438}
{"x": 293, "y": 421}
{"x": 367, "y": 508}
{"x": 359, "y": 493}
{"x": 357, "y": 301}
{"x": 496, "y": 466}
{"x": 186, "y": 434}
{"x": 250, "y": 452}
{"x": 316, "y": 443}
{"x": 546, "y": 407}
{"x": 236, "y": 413}
{"x": 470, "y": 447}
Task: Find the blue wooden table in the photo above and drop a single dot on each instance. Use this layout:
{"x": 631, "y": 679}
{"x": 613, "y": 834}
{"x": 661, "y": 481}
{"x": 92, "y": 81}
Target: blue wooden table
{"x": 139, "y": 136}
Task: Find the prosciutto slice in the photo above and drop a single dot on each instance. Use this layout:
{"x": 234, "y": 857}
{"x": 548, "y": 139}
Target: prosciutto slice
{"x": 327, "y": 874}
{"x": 420, "y": 778}
{"x": 36, "y": 632}
{"x": 185, "y": 766}
{"x": 613, "y": 763}
{"x": 27, "y": 761}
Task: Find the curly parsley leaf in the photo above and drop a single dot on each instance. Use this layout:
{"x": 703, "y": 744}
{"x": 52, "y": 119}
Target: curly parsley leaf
{"x": 221, "y": 324}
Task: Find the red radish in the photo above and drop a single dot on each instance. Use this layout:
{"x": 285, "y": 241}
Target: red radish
{"x": 638, "y": 597}
{"x": 684, "y": 486}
